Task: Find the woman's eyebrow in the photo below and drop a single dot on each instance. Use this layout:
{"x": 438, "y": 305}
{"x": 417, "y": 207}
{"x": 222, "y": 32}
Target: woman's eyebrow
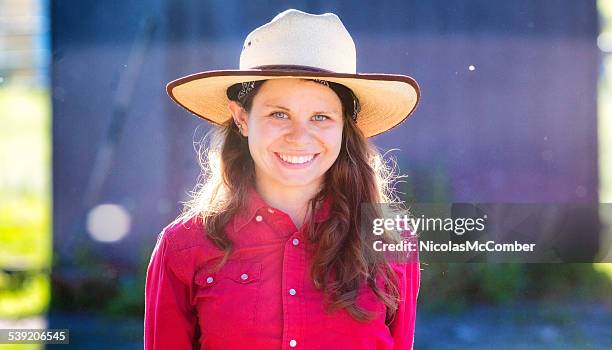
{"x": 288, "y": 110}
{"x": 279, "y": 107}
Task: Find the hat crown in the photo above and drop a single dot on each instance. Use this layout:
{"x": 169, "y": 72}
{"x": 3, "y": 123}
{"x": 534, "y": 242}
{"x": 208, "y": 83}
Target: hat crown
{"x": 298, "y": 38}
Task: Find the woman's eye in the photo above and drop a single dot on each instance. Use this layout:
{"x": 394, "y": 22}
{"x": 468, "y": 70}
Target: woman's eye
{"x": 320, "y": 117}
{"x": 279, "y": 115}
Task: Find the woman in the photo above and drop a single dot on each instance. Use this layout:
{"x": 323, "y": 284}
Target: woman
{"x": 269, "y": 253}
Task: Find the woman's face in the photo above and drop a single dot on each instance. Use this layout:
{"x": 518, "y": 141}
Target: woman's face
{"x": 294, "y": 131}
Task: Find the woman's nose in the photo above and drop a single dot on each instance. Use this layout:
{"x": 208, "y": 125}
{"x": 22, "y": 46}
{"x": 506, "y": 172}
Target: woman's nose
{"x": 298, "y": 133}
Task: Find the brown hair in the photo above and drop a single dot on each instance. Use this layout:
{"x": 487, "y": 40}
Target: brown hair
{"x": 359, "y": 175}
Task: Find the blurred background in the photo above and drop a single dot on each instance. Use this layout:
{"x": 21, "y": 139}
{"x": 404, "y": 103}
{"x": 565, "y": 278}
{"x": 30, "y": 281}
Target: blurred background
{"x": 95, "y": 158}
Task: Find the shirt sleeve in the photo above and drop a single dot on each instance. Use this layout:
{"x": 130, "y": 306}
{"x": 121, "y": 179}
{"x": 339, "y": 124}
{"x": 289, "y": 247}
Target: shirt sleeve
{"x": 170, "y": 321}
{"x": 402, "y": 327}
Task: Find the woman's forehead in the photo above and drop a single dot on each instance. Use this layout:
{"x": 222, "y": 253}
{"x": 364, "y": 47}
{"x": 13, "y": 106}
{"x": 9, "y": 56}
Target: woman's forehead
{"x": 275, "y": 91}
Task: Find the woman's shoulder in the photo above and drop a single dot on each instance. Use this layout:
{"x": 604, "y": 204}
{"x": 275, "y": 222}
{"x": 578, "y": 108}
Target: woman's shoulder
{"x": 184, "y": 233}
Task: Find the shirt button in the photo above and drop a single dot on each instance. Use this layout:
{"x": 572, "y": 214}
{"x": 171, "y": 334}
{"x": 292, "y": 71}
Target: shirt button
{"x": 270, "y": 210}
{"x": 209, "y": 280}
{"x": 292, "y": 343}
{"x": 292, "y": 291}
{"x": 296, "y": 241}
{"x": 258, "y": 218}
{"x": 244, "y": 276}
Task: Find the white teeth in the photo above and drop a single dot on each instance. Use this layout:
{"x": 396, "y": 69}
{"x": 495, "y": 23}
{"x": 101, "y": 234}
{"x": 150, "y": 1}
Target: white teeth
{"x": 296, "y": 159}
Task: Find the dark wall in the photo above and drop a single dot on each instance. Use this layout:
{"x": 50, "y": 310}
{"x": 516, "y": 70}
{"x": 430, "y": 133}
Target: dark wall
{"x": 519, "y": 127}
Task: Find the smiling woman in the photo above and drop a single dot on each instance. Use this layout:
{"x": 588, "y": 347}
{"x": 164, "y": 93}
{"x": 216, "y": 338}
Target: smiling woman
{"x": 292, "y": 144}
{"x": 269, "y": 247}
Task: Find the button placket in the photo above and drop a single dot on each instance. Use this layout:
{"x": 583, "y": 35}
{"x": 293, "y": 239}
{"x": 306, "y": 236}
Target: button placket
{"x": 294, "y": 306}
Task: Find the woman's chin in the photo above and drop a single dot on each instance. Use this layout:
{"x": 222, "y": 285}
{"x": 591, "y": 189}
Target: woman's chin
{"x": 296, "y": 182}
{"x": 285, "y": 178}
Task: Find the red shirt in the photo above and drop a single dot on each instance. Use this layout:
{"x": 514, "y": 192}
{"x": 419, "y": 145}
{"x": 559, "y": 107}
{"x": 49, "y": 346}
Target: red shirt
{"x": 263, "y": 298}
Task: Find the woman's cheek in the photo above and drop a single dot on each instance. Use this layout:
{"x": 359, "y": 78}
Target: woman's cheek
{"x": 266, "y": 130}
{"x": 334, "y": 141}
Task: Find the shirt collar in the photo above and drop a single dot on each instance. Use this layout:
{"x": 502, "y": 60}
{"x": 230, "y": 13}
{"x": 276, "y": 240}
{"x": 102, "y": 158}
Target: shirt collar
{"x": 255, "y": 202}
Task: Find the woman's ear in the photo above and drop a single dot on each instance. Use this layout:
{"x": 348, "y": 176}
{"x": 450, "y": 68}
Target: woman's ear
{"x": 240, "y": 117}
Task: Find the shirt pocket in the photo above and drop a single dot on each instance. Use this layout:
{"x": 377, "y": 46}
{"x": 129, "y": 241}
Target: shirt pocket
{"x": 227, "y": 300}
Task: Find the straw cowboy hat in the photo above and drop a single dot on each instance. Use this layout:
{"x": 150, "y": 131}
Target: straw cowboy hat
{"x": 297, "y": 44}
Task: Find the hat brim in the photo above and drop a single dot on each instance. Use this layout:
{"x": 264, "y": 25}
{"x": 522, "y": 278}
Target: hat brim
{"x": 386, "y": 99}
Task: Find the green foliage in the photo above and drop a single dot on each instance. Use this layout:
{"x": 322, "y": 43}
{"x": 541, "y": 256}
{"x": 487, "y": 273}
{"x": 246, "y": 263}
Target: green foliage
{"x": 30, "y": 298}
{"x": 454, "y": 286}
{"x": 443, "y": 286}
{"x": 559, "y": 281}
{"x": 25, "y": 208}
{"x": 130, "y": 297}
{"x": 22, "y": 346}
{"x": 501, "y": 282}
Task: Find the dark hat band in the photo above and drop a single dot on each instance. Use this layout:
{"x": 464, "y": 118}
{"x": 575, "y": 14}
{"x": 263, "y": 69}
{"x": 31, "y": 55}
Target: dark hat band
{"x": 247, "y": 87}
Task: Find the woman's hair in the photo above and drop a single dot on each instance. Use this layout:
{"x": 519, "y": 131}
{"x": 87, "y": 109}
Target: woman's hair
{"x": 358, "y": 176}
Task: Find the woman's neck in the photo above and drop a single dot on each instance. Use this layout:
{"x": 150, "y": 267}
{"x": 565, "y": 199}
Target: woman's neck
{"x": 292, "y": 200}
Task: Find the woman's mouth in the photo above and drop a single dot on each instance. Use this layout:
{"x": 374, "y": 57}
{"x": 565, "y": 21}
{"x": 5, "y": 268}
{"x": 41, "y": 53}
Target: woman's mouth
{"x": 296, "y": 161}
